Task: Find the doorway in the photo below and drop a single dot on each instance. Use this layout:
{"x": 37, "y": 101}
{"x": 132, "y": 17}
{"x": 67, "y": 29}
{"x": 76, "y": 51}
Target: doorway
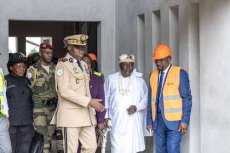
{"x": 25, "y": 36}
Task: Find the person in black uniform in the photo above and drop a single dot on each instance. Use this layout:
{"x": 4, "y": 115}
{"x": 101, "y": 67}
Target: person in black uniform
{"x": 19, "y": 96}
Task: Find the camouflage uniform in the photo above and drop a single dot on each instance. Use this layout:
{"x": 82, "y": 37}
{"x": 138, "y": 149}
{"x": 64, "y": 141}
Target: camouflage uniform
{"x": 44, "y": 96}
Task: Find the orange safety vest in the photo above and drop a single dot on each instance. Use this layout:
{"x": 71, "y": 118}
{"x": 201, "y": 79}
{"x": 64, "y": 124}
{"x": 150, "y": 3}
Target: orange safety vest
{"x": 172, "y": 101}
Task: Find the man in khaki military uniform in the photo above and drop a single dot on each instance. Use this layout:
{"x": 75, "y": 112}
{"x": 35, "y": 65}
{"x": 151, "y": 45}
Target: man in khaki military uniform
{"x": 76, "y": 109}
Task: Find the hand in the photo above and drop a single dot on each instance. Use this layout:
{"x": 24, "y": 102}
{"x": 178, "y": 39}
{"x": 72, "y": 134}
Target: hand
{"x": 95, "y": 103}
{"x": 150, "y": 129}
{"x": 132, "y": 109}
{"x": 183, "y": 128}
{"x": 108, "y": 123}
{"x": 100, "y": 126}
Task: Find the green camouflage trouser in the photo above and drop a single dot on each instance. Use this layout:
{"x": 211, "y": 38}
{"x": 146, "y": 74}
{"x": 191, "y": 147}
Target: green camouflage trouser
{"x": 42, "y": 118}
{"x": 59, "y": 138}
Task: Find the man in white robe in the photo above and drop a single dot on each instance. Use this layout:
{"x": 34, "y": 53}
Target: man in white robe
{"x": 126, "y": 101}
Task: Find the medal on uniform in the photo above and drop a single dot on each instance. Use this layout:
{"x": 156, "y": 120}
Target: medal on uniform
{"x": 38, "y": 74}
{"x": 87, "y": 70}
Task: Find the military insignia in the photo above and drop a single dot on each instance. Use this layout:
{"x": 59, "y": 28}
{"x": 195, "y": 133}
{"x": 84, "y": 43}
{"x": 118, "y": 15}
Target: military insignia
{"x": 38, "y": 74}
{"x": 71, "y": 60}
{"x": 83, "y": 38}
{"x": 20, "y": 56}
{"x": 59, "y": 72}
{"x": 29, "y": 75}
{"x": 77, "y": 81}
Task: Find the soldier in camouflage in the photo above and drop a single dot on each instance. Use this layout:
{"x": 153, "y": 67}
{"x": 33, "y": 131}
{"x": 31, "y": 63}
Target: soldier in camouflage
{"x": 42, "y": 77}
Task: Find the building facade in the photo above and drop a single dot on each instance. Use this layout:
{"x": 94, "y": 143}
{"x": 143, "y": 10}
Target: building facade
{"x": 197, "y": 30}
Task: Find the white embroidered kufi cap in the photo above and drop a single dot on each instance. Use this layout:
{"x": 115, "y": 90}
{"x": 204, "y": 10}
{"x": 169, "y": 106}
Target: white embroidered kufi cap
{"x": 126, "y": 58}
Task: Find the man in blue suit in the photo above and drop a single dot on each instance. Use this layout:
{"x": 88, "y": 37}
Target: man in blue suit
{"x": 169, "y": 102}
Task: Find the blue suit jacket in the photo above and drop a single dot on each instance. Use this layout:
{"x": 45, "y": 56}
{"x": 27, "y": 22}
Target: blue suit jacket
{"x": 185, "y": 93}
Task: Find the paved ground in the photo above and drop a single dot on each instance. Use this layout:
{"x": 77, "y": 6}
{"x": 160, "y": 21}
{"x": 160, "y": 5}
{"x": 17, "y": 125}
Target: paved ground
{"x": 148, "y": 142}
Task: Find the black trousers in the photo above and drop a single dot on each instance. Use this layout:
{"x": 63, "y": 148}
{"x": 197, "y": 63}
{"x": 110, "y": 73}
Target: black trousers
{"x": 21, "y": 137}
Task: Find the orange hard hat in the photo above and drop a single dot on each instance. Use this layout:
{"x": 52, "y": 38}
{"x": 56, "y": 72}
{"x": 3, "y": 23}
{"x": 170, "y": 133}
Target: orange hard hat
{"x": 93, "y": 56}
{"x": 161, "y": 51}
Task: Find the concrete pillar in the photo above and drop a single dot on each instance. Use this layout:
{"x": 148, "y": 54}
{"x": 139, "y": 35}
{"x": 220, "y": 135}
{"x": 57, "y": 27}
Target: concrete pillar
{"x": 4, "y": 54}
{"x": 164, "y": 23}
{"x": 194, "y": 74}
{"x": 214, "y": 75}
{"x": 141, "y": 43}
{"x": 156, "y": 34}
{"x": 174, "y": 32}
{"x": 99, "y": 53}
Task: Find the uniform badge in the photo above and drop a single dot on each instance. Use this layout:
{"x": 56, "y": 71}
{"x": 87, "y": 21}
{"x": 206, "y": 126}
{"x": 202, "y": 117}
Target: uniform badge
{"x": 71, "y": 60}
{"x": 77, "y": 81}
{"x": 59, "y": 72}
{"x": 29, "y": 75}
{"x": 38, "y": 74}
{"x": 83, "y": 38}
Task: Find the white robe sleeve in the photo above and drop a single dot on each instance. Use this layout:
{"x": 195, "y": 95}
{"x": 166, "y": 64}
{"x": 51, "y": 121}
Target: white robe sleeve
{"x": 144, "y": 95}
{"x": 107, "y": 97}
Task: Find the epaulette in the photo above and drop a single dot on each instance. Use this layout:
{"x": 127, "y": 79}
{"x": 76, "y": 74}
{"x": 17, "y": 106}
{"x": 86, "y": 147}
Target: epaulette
{"x": 33, "y": 67}
{"x": 62, "y": 60}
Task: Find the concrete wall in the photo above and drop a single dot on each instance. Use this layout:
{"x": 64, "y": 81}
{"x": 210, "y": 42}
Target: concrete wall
{"x": 198, "y": 32}
{"x": 58, "y": 10}
{"x": 214, "y": 75}
{"x": 194, "y": 74}
{"x": 141, "y": 26}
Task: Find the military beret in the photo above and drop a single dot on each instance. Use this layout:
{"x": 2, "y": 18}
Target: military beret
{"x": 78, "y": 40}
{"x": 46, "y": 46}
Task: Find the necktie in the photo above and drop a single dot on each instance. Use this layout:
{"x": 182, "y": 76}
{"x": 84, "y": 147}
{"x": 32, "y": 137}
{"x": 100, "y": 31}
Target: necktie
{"x": 159, "y": 90}
{"x": 79, "y": 64}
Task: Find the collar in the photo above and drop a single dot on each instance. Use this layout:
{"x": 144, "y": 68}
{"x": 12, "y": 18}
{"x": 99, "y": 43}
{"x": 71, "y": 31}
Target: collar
{"x": 167, "y": 69}
{"x": 68, "y": 56}
{"x": 38, "y": 65}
